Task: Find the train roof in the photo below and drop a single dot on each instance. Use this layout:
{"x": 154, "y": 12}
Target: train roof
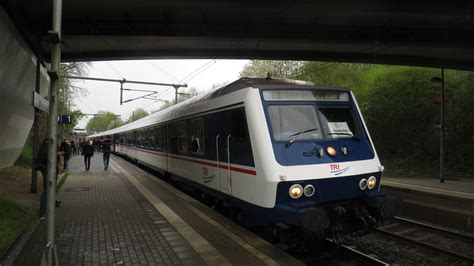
{"x": 189, "y": 105}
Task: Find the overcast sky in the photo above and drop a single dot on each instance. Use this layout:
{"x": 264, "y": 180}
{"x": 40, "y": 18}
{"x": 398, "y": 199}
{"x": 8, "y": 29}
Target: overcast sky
{"x": 105, "y": 96}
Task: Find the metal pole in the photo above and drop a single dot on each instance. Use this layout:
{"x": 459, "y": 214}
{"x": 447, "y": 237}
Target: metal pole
{"x": 176, "y": 95}
{"x": 441, "y": 145}
{"x": 121, "y": 93}
{"x": 53, "y": 126}
{"x": 34, "y": 173}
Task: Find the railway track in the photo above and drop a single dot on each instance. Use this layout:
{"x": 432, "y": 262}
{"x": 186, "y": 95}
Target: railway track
{"x": 360, "y": 257}
{"x": 440, "y": 240}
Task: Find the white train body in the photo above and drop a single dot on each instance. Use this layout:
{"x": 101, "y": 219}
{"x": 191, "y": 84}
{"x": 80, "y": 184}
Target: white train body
{"x": 258, "y": 124}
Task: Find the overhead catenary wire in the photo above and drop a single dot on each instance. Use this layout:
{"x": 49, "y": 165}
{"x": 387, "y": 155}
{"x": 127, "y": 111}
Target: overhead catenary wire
{"x": 198, "y": 71}
{"x": 164, "y": 71}
{"x": 114, "y": 69}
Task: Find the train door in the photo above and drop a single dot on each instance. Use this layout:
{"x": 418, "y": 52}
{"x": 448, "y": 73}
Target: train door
{"x": 233, "y": 148}
{"x": 223, "y": 153}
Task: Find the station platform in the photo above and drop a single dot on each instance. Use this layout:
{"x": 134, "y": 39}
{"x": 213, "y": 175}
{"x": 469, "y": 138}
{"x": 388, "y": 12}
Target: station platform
{"x": 454, "y": 188}
{"x": 449, "y": 204}
{"x": 126, "y": 216}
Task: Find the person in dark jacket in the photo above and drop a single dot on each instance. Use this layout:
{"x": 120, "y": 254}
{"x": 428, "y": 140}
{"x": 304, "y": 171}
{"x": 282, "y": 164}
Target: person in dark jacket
{"x": 106, "y": 145}
{"x": 42, "y": 166}
{"x": 88, "y": 152}
{"x": 67, "y": 149}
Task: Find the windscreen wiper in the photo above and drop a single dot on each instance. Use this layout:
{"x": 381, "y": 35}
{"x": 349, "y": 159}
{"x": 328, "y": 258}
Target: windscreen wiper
{"x": 344, "y": 134}
{"x": 296, "y": 135}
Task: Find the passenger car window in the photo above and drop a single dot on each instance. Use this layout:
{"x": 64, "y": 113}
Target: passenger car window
{"x": 196, "y": 127}
{"x": 182, "y": 140}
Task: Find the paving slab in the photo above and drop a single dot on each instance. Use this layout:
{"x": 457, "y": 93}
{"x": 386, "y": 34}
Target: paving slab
{"x": 104, "y": 220}
{"x": 126, "y": 216}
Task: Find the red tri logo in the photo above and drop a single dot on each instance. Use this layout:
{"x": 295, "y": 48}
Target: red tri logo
{"x": 334, "y": 167}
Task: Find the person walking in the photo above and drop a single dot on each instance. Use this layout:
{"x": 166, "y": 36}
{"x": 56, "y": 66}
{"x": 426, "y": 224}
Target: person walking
{"x": 78, "y": 146}
{"x": 106, "y": 144}
{"x": 73, "y": 146}
{"x": 87, "y": 152}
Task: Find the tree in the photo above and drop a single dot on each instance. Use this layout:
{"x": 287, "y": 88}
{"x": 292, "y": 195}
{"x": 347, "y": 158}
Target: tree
{"x": 276, "y": 69}
{"x": 347, "y": 75}
{"x": 137, "y": 114}
{"x": 103, "y": 121}
{"x": 67, "y": 93}
{"x": 183, "y": 96}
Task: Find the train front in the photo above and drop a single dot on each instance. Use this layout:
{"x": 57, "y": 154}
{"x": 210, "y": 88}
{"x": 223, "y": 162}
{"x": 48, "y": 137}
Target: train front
{"x": 327, "y": 170}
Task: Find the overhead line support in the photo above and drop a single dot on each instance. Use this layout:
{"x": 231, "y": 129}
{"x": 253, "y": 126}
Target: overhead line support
{"x": 123, "y": 81}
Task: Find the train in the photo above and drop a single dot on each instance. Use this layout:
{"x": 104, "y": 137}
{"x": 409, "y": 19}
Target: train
{"x": 283, "y": 154}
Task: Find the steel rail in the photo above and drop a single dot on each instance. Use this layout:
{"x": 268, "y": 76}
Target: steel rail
{"x": 415, "y": 242}
{"x": 357, "y": 255}
{"x": 436, "y": 229}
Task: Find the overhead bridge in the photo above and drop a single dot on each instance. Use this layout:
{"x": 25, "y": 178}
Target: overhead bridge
{"x": 422, "y": 33}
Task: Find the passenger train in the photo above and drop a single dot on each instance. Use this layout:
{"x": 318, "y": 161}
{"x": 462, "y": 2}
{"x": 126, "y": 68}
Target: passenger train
{"x": 285, "y": 154}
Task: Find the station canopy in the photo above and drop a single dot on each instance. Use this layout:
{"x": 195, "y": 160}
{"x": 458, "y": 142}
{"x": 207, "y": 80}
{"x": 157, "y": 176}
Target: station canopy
{"x": 423, "y": 32}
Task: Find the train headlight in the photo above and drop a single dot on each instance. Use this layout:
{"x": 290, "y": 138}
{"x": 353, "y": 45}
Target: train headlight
{"x": 371, "y": 183}
{"x": 331, "y": 151}
{"x": 296, "y": 191}
{"x": 363, "y": 184}
{"x": 309, "y": 190}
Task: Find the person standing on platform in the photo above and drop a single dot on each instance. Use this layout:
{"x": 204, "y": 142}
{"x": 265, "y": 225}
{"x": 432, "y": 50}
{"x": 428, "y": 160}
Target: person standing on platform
{"x": 67, "y": 150}
{"x": 87, "y": 152}
{"x": 106, "y": 144}
{"x": 42, "y": 166}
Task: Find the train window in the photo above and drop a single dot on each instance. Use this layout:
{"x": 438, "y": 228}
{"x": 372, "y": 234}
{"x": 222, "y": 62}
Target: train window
{"x": 338, "y": 122}
{"x": 196, "y": 127}
{"x": 182, "y": 140}
{"x": 288, "y": 120}
{"x": 239, "y": 126}
{"x": 159, "y": 138}
{"x": 151, "y": 138}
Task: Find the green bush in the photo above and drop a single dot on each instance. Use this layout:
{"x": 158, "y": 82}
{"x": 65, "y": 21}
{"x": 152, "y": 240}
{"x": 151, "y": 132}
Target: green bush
{"x": 401, "y": 107}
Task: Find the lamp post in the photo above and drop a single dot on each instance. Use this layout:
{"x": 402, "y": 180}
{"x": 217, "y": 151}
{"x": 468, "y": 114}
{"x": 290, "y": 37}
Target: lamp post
{"x": 439, "y": 82}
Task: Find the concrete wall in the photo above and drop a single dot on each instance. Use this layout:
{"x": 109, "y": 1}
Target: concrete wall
{"x": 17, "y": 82}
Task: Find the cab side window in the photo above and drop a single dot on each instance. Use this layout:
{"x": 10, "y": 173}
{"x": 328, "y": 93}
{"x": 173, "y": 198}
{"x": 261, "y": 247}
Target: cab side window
{"x": 239, "y": 126}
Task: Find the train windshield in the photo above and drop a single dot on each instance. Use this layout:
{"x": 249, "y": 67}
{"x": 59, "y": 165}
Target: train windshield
{"x": 290, "y": 120}
{"x": 302, "y": 121}
{"x": 338, "y": 122}
{"x": 310, "y": 114}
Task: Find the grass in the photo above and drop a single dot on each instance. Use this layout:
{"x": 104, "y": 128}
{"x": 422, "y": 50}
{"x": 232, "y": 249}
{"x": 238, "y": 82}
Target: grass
{"x": 26, "y": 156}
{"x": 13, "y": 218}
{"x": 61, "y": 181}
